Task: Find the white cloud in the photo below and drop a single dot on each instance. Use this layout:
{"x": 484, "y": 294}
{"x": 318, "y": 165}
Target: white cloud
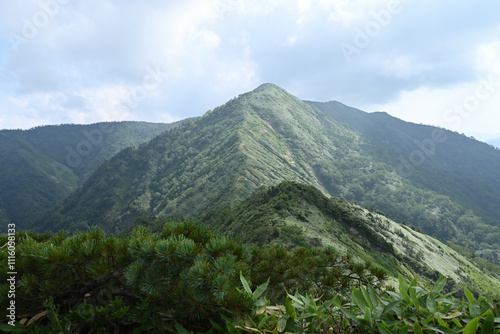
{"x": 85, "y": 62}
{"x": 488, "y": 57}
{"x": 292, "y": 39}
{"x": 19, "y": 102}
{"x": 460, "y": 107}
{"x": 350, "y": 12}
{"x": 402, "y": 67}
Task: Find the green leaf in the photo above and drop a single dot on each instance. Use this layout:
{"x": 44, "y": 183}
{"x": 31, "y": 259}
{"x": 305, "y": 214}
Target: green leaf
{"x": 351, "y": 315}
{"x": 262, "y": 321}
{"x": 431, "y": 303}
{"x": 367, "y": 298}
{"x": 216, "y": 326}
{"x": 417, "y": 328}
{"x": 471, "y": 326}
{"x": 245, "y": 284}
{"x": 440, "y": 284}
{"x": 489, "y": 323}
{"x": 295, "y": 299}
{"x": 231, "y": 329}
{"x": 358, "y": 298}
{"x": 384, "y": 330}
{"x": 281, "y": 324}
{"x": 373, "y": 296}
{"x": 457, "y": 323}
{"x": 18, "y": 328}
{"x": 290, "y": 310}
{"x": 368, "y": 316}
{"x": 403, "y": 289}
{"x": 469, "y": 295}
{"x": 258, "y": 292}
{"x": 475, "y": 310}
{"x": 378, "y": 311}
{"x": 413, "y": 296}
{"x": 180, "y": 329}
{"x": 391, "y": 306}
{"x": 414, "y": 282}
{"x": 402, "y": 330}
{"x": 441, "y": 322}
{"x": 403, "y": 286}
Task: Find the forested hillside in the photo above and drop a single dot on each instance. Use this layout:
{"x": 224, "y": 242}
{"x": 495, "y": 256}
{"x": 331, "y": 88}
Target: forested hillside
{"x": 43, "y": 165}
{"x": 293, "y": 214}
{"x": 436, "y": 159}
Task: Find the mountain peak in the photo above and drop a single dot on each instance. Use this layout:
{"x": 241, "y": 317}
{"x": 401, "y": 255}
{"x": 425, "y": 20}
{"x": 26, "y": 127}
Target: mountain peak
{"x": 268, "y": 86}
{"x": 271, "y": 89}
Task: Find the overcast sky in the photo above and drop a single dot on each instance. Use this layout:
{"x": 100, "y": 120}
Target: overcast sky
{"x": 425, "y": 61}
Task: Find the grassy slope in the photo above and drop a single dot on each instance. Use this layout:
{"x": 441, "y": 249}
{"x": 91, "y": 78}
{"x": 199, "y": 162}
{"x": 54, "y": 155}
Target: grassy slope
{"x": 296, "y": 214}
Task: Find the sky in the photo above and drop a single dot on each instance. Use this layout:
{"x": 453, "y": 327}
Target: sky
{"x": 424, "y": 61}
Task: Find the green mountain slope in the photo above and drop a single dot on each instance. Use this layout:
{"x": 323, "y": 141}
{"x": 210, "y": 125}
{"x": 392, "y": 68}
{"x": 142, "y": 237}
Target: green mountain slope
{"x": 43, "y": 165}
{"x": 268, "y": 136}
{"x": 443, "y": 161}
{"x": 260, "y": 138}
{"x": 28, "y": 182}
{"x": 294, "y": 214}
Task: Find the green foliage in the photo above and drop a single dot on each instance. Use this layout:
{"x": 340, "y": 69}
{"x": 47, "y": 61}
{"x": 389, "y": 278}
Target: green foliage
{"x": 184, "y": 275}
{"x": 262, "y": 218}
{"x": 411, "y": 310}
{"x": 186, "y": 278}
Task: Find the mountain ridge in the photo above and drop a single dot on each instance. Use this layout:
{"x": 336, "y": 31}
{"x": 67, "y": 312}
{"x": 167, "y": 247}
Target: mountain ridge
{"x": 294, "y": 214}
{"x": 267, "y": 136}
{"x": 427, "y": 154}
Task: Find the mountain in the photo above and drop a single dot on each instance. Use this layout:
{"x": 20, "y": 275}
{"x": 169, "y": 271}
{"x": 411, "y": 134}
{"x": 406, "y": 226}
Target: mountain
{"x": 260, "y": 138}
{"x": 268, "y": 136}
{"x": 294, "y": 214}
{"x": 443, "y": 161}
{"x": 43, "y": 165}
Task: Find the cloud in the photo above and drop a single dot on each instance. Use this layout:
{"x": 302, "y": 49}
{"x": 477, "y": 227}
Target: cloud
{"x": 465, "y": 107}
{"x": 488, "y": 57}
{"x": 91, "y": 57}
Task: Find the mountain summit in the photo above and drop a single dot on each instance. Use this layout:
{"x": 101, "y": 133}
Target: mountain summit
{"x": 267, "y": 136}
{"x": 259, "y": 138}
